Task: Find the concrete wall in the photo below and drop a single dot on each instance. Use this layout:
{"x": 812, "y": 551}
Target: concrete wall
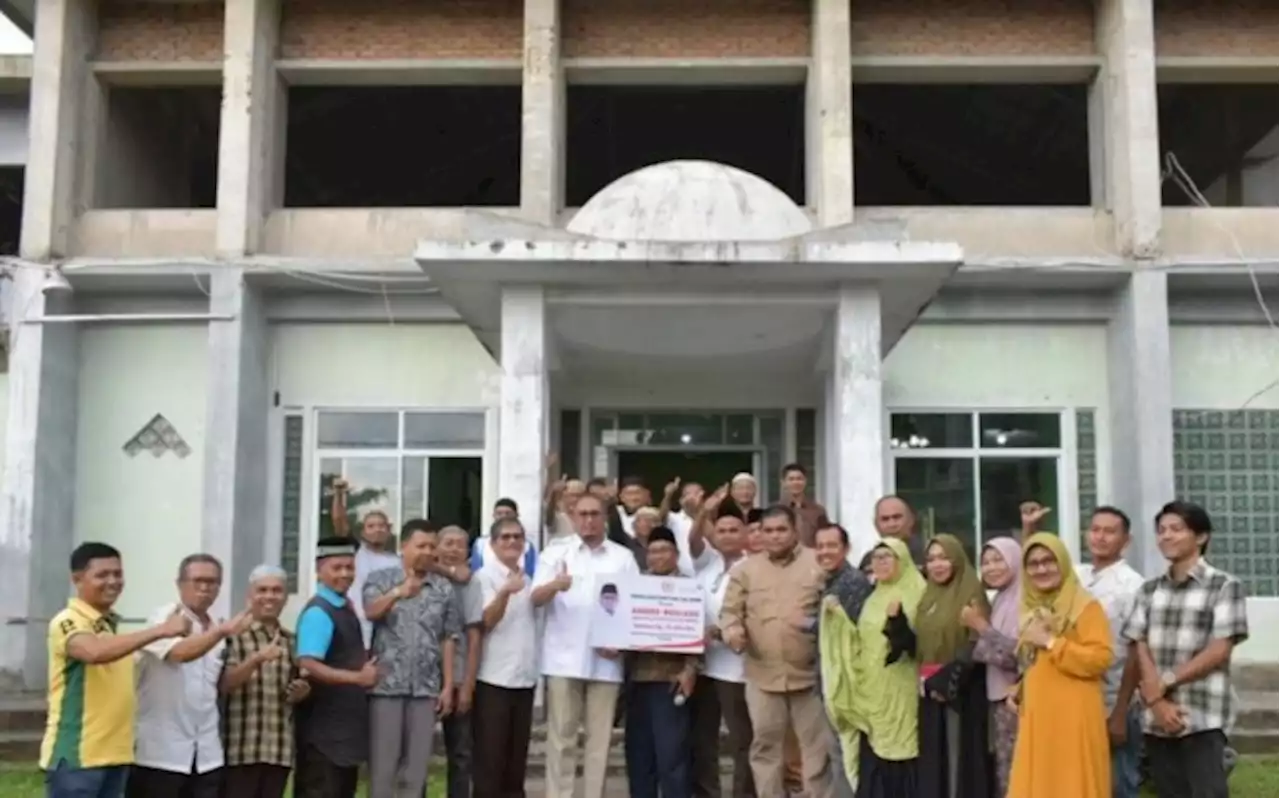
{"x": 148, "y": 507}
{"x": 1259, "y": 182}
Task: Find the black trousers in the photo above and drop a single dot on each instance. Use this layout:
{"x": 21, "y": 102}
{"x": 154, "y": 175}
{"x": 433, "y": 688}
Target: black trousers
{"x": 317, "y": 777}
{"x": 152, "y": 783}
{"x": 457, "y": 749}
{"x": 254, "y": 781}
{"x": 502, "y": 719}
{"x": 1188, "y": 767}
{"x": 704, "y": 732}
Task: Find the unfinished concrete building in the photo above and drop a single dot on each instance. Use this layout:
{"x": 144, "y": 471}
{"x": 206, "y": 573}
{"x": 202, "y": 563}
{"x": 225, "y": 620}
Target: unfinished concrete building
{"x": 947, "y": 249}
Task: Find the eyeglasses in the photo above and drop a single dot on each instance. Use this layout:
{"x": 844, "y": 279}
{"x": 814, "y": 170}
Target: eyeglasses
{"x": 1042, "y": 564}
{"x": 589, "y": 513}
{"x": 511, "y": 536}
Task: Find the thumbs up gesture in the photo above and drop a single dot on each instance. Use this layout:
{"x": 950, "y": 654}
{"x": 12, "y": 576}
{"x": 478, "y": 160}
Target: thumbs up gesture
{"x": 563, "y": 580}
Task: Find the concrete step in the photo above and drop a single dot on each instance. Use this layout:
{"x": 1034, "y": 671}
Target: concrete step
{"x": 1253, "y": 677}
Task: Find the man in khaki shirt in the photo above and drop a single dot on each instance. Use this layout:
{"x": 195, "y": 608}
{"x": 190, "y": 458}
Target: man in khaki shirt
{"x": 763, "y": 602}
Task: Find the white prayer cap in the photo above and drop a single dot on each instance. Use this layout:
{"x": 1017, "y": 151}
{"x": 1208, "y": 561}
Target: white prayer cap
{"x": 742, "y": 476}
{"x": 267, "y": 572}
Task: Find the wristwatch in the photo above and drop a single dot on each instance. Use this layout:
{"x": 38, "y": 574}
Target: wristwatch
{"x": 1168, "y": 681}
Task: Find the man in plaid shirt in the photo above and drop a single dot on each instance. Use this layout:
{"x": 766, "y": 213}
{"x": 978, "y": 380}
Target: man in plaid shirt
{"x": 1184, "y": 626}
{"x": 260, "y": 684}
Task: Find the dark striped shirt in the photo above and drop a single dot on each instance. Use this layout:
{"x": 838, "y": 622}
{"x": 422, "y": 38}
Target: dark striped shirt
{"x": 257, "y": 720}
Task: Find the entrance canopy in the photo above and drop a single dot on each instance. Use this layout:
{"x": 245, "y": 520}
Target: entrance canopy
{"x": 686, "y": 259}
{"x": 692, "y": 266}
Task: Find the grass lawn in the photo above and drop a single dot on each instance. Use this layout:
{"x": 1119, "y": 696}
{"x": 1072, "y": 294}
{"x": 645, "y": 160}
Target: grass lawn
{"x": 1254, "y": 777}
{"x": 26, "y": 782}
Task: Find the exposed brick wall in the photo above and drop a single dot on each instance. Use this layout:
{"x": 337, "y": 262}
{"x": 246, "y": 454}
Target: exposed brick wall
{"x": 402, "y": 29}
{"x": 132, "y": 31}
{"x": 973, "y": 27}
{"x": 685, "y": 28}
{"x": 1223, "y": 27}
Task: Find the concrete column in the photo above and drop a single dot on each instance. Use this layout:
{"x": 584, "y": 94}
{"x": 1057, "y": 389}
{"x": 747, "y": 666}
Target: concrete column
{"x": 829, "y": 116}
{"x": 542, "y": 125}
{"x": 857, "y": 413}
{"x": 236, "y": 463}
{"x": 523, "y": 418}
{"x": 1141, "y": 410}
{"x": 64, "y": 38}
{"x": 250, "y": 151}
{"x": 36, "y": 512}
{"x": 1123, "y": 119}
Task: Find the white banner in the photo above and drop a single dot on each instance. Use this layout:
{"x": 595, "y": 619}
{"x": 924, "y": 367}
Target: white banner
{"x": 648, "y": 613}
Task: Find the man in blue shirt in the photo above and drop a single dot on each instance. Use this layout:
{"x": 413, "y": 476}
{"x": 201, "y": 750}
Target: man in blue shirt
{"x": 333, "y": 731}
{"x": 482, "y": 552}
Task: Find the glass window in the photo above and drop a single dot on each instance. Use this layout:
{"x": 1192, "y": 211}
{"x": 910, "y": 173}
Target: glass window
{"x": 1007, "y": 482}
{"x": 974, "y": 492}
{"x": 931, "y": 431}
{"x": 685, "y": 429}
{"x": 942, "y": 492}
{"x": 358, "y": 430}
{"x": 570, "y": 442}
{"x": 454, "y": 487}
{"x": 444, "y": 430}
{"x": 1019, "y": 430}
{"x": 740, "y": 429}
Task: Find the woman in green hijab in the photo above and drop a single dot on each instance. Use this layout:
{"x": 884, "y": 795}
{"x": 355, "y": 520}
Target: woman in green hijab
{"x": 954, "y": 753}
{"x": 871, "y": 676}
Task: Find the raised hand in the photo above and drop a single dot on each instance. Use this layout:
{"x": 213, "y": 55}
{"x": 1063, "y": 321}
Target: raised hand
{"x": 411, "y": 586}
{"x": 563, "y": 580}
{"x": 1032, "y": 514}
{"x": 716, "y": 499}
{"x": 176, "y": 625}
{"x": 514, "y": 584}
{"x": 236, "y": 624}
{"x": 671, "y": 488}
{"x": 972, "y": 617}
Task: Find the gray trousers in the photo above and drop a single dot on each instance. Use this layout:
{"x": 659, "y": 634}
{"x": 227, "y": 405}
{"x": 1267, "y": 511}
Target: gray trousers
{"x": 401, "y": 732}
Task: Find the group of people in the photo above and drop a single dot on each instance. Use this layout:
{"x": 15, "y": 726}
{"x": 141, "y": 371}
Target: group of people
{"x": 905, "y": 672}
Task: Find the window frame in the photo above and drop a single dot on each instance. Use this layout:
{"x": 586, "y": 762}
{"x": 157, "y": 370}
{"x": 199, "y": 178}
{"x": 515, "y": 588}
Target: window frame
{"x": 1065, "y": 454}
{"x": 313, "y": 453}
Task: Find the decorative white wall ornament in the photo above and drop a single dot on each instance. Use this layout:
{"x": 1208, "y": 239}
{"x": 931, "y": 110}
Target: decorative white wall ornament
{"x": 157, "y": 436}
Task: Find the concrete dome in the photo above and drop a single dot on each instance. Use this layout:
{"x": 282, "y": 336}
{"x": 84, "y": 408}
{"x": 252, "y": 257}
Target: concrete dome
{"x": 690, "y": 201}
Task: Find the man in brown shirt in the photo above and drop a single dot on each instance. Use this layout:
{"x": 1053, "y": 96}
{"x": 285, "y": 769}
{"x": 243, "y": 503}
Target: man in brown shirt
{"x": 810, "y": 516}
{"x": 658, "y": 719}
{"x": 781, "y": 659}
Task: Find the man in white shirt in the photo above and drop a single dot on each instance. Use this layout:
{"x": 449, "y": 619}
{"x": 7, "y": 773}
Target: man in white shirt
{"x": 508, "y": 677}
{"x": 177, "y": 743}
{"x": 582, "y": 682}
{"x": 1116, "y": 586}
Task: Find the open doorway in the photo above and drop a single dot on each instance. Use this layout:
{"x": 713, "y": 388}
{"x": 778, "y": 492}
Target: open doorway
{"x": 711, "y": 469}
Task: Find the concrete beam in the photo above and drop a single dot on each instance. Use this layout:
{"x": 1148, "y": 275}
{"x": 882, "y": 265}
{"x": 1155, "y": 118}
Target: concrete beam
{"x": 65, "y": 31}
{"x": 250, "y": 144}
{"x": 686, "y": 71}
{"x": 36, "y": 501}
{"x": 974, "y": 69}
{"x": 399, "y": 72}
{"x": 829, "y": 116}
{"x": 235, "y": 478}
{"x": 542, "y": 140}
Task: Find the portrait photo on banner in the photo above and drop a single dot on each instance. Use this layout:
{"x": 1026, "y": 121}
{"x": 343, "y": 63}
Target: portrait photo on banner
{"x": 634, "y": 612}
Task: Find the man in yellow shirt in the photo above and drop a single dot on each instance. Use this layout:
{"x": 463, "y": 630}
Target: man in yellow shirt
{"x": 88, "y": 738}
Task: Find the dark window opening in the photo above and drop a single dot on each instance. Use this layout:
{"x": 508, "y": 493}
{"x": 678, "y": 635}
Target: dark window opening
{"x": 1224, "y": 138}
{"x": 971, "y": 145}
{"x": 10, "y": 208}
{"x": 403, "y": 147}
{"x": 615, "y": 130}
{"x": 161, "y": 148}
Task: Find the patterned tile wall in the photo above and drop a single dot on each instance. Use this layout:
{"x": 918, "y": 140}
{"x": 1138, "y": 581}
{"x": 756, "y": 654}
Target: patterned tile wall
{"x": 291, "y": 505}
{"x": 1086, "y": 469}
{"x": 1229, "y": 463}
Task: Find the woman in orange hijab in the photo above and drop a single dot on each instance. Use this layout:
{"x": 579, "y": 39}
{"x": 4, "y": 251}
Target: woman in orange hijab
{"x": 1065, "y": 643}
